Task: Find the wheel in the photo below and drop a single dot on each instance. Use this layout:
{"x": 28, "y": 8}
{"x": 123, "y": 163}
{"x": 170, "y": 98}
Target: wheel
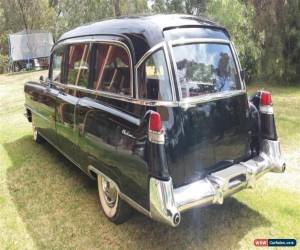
{"x": 36, "y": 136}
{"x": 114, "y": 208}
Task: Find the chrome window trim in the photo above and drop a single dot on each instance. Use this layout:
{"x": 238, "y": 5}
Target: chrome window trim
{"x": 160, "y": 46}
{"x": 149, "y": 52}
{"x": 209, "y": 97}
{"x": 96, "y": 40}
{"x": 213, "y": 96}
{"x": 170, "y": 63}
{"x": 169, "y": 66}
{"x": 116, "y": 96}
{"x": 235, "y": 54}
{"x": 197, "y": 40}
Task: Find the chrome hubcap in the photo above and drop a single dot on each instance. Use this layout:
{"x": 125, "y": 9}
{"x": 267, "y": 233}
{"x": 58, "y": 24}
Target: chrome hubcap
{"x": 110, "y": 192}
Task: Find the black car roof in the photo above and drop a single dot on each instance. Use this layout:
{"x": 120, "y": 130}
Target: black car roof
{"x": 142, "y": 31}
{"x": 145, "y": 25}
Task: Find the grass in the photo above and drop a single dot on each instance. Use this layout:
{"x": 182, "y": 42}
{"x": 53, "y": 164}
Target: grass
{"x": 47, "y": 203}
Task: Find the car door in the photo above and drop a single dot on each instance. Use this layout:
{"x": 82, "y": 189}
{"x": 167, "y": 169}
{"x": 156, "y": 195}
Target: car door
{"x": 42, "y": 101}
{"x": 77, "y": 73}
{"x": 97, "y": 117}
{"x": 46, "y": 99}
{"x": 108, "y": 136}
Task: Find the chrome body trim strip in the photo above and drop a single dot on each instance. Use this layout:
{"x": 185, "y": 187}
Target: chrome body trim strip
{"x": 123, "y": 196}
{"x": 166, "y": 203}
{"x": 135, "y": 205}
{"x": 187, "y": 102}
{"x": 115, "y": 112}
{"x": 117, "y": 97}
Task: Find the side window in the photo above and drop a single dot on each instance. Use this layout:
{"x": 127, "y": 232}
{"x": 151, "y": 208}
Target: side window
{"x": 78, "y": 66}
{"x": 57, "y": 64}
{"x": 153, "y": 78}
{"x": 112, "y": 69}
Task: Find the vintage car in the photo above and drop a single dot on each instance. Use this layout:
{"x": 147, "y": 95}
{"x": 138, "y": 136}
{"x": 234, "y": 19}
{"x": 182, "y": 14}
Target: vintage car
{"x": 155, "y": 109}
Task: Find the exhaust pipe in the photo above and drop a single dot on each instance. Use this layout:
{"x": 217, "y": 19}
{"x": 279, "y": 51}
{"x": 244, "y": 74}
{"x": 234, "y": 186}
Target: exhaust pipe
{"x": 176, "y": 219}
{"x": 162, "y": 203}
{"x": 279, "y": 168}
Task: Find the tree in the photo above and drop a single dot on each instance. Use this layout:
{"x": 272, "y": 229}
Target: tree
{"x": 27, "y": 14}
{"x": 291, "y": 41}
{"x": 238, "y": 18}
{"x": 159, "y": 6}
{"x": 277, "y": 22}
{"x": 195, "y": 7}
{"x": 117, "y": 11}
{"x": 132, "y": 7}
{"x": 72, "y": 13}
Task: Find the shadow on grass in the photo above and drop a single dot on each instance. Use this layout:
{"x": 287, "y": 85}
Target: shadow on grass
{"x": 59, "y": 206}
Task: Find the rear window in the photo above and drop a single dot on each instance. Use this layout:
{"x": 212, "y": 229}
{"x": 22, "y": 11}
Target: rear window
{"x": 205, "y": 68}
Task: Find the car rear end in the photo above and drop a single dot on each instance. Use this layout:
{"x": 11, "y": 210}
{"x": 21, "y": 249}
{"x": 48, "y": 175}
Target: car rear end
{"x": 222, "y": 141}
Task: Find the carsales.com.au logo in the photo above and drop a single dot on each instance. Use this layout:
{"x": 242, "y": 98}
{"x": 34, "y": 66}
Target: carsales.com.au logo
{"x": 275, "y": 242}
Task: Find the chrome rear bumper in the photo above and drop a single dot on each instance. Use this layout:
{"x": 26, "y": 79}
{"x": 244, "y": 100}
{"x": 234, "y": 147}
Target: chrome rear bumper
{"x": 167, "y": 203}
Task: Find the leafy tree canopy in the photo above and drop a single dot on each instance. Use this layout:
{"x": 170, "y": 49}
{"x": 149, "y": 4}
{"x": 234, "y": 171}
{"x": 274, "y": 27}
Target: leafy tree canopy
{"x": 265, "y": 32}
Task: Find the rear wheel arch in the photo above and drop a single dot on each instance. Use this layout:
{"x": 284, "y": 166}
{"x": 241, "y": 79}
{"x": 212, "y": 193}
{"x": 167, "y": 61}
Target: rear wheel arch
{"x": 121, "y": 211}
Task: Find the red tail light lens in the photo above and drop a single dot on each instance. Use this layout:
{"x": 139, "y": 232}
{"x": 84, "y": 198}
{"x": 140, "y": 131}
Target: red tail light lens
{"x": 265, "y": 98}
{"x": 155, "y": 122}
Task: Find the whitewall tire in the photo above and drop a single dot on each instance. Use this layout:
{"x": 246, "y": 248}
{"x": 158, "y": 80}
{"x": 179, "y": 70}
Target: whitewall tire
{"x": 114, "y": 208}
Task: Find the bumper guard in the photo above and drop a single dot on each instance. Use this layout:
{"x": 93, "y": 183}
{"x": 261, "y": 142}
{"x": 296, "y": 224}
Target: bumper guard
{"x": 167, "y": 203}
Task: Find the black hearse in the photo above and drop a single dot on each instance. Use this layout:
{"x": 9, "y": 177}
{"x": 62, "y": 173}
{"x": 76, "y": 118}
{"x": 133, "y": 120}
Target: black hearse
{"x": 155, "y": 108}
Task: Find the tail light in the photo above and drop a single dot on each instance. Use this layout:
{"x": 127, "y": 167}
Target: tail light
{"x": 265, "y": 103}
{"x": 265, "y": 98}
{"x": 154, "y": 122}
{"x": 155, "y": 133}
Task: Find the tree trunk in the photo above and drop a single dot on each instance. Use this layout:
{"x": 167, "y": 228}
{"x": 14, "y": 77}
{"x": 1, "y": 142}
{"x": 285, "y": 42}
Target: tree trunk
{"x": 23, "y": 15}
{"x": 117, "y": 10}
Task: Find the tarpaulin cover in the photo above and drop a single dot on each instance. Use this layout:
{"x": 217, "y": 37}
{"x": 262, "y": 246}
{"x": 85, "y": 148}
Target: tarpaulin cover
{"x": 24, "y": 46}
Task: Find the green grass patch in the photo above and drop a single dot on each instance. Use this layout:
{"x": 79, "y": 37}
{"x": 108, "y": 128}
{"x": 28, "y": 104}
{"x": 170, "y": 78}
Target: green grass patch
{"x": 47, "y": 203}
